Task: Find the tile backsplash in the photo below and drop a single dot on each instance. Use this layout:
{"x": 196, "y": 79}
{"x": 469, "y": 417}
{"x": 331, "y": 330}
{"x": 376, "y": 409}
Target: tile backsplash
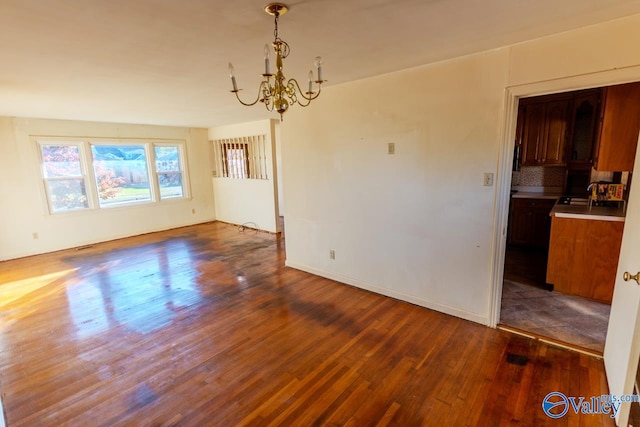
{"x": 545, "y": 178}
{"x": 539, "y": 176}
{"x": 601, "y": 176}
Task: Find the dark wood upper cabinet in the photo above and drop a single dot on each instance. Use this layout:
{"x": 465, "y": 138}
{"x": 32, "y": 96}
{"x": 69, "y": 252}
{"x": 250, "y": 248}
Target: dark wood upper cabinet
{"x": 531, "y": 118}
{"x": 593, "y": 127}
{"x": 555, "y": 132}
{"x": 543, "y": 125}
{"x": 619, "y": 128}
{"x": 583, "y": 127}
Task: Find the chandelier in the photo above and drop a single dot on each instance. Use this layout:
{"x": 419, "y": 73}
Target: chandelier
{"x": 275, "y": 91}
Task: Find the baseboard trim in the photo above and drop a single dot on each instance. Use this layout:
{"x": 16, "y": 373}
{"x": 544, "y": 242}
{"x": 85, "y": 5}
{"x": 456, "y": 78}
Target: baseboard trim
{"x": 245, "y": 226}
{"x": 452, "y": 311}
{"x": 84, "y": 244}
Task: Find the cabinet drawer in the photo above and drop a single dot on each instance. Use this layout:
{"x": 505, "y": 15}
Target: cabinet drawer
{"x": 533, "y": 203}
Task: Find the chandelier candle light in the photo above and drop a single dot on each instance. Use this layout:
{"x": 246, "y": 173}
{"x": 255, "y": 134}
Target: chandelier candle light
{"x": 275, "y": 91}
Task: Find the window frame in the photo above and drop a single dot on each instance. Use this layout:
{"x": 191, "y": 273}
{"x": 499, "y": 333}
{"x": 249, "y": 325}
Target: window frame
{"x": 181, "y": 166}
{"x": 84, "y": 174}
{"x": 152, "y": 192}
{"x": 87, "y": 165}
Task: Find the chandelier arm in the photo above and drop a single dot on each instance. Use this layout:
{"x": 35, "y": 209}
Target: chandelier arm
{"x": 260, "y": 88}
{"x": 302, "y": 94}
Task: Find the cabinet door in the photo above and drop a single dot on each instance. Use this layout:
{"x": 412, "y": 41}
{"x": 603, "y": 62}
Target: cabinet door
{"x": 522, "y": 224}
{"x": 555, "y": 132}
{"x": 584, "y": 118}
{"x": 529, "y": 222}
{"x": 619, "y": 128}
{"x": 542, "y": 225}
{"x": 532, "y": 133}
{"x": 583, "y": 257}
{"x": 544, "y": 131}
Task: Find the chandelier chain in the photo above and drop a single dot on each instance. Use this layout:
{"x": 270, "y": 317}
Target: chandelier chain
{"x": 283, "y": 45}
{"x": 275, "y": 31}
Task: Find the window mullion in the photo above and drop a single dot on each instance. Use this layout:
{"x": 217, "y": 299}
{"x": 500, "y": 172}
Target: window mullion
{"x": 90, "y": 181}
{"x": 152, "y": 171}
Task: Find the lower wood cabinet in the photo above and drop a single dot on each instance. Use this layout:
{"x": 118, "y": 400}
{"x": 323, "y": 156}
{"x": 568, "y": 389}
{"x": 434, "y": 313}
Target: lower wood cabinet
{"x": 583, "y": 257}
{"x": 529, "y": 222}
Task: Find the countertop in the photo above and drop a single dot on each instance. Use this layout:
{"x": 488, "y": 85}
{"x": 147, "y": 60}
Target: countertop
{"x": 597, "y": 213}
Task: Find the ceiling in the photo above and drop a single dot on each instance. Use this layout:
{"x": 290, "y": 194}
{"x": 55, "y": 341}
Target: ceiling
{"x": 165, "y": 61}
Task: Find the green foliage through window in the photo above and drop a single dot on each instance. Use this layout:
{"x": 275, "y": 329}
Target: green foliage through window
{"x": 65, "y": 181}
{"x": 121, "y": 174}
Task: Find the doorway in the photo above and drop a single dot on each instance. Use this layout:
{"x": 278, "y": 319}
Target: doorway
{"x": 556, "y": 147}
{"x": 519, "y": 273}
{"x": 530, "y": 306}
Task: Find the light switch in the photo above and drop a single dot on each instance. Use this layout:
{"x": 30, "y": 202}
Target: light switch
{"x": 487, "y": 179}
{"x": 391, "y": 147}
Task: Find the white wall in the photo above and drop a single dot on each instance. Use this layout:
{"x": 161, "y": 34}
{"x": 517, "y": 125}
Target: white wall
{"x": 23, "y": 208}
{"x": 419, "y": 225}
{"x": 240, "y": 201}
{"x": 278, "y": 166}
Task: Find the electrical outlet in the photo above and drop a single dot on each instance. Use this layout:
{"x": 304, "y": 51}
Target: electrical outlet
{"x": 35, "y": 236}
{"x": 193, "y": 210}
{"x": 487, "y": 179}
{"x": 332, "y": 254}
{"x": 391, "y": 148}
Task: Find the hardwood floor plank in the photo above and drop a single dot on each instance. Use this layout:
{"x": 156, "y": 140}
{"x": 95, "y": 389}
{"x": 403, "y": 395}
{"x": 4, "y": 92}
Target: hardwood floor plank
{"x": 204, "y": 325}
{"x": 388, "y": 416}
{"x": 356, "y": 398}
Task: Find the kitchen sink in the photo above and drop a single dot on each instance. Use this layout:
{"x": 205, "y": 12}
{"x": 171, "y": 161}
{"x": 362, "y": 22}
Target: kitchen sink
{"x": 565, "y": 200}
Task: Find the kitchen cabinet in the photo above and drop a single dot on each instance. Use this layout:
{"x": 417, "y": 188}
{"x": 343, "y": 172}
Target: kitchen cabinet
{"x": 583, "y": 127}
{"x": 583, "y": 257}
{"x": 542, "y": 130}
{"x": 529, "y": 222}
{"x": 619, "y": 128}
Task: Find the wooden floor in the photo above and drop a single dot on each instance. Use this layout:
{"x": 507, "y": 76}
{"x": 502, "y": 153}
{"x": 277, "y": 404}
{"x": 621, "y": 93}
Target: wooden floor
{"x": 205, "y": 326}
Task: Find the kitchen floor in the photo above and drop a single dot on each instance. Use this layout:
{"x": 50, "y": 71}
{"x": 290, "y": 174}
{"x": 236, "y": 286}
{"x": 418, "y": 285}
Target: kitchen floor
{"x": 528, "y": 305}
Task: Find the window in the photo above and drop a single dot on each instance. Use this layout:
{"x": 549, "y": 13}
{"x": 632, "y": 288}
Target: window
{"x": 94, "y": 174}
{"x": 169, "y": 171}
{"x": 236, "y": 160}
{"x": 121, "y": 174}
{"x": 241, "y": 158}
{"x": 64, "y": 177}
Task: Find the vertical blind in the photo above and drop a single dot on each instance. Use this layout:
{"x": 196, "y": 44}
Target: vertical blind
{"x": 241, "y": 158}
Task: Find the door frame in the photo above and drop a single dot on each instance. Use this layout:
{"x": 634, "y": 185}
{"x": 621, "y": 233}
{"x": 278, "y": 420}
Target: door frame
{"x": 503, "y": 189}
